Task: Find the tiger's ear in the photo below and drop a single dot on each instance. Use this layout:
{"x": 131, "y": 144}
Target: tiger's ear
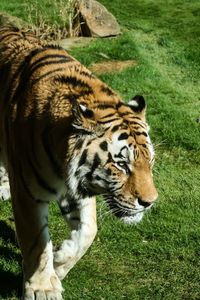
{"x": 137, "y": 104}
{"x": 83, "y": 118}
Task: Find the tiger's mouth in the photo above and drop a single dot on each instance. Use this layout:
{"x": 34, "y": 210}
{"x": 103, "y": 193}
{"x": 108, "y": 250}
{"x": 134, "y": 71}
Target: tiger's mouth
{"x": 126, "y": 214}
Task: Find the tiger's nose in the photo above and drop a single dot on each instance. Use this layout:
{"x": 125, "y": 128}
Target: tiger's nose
{"x": 144, "y": 203}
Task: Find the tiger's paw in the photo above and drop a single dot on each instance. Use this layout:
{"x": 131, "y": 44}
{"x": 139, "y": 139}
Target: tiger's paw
{"x": 43, "y": 289}
{"x": 30, "y": 294}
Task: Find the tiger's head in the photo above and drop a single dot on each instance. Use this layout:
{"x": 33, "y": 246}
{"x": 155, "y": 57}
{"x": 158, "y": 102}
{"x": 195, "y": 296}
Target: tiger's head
{"x": 113, "y": 156}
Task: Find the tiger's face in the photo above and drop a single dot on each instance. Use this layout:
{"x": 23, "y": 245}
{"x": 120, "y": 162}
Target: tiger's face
{"x": 119, "y": 164}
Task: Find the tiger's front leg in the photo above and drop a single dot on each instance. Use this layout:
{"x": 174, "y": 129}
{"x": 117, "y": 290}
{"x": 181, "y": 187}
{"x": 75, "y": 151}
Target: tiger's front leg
{"x": 31, "y": 220}
{"x": 82, "y": 220}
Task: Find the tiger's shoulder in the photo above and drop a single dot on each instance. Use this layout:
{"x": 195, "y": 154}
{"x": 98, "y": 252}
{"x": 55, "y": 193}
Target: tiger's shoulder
{"x": 49, "y": 73}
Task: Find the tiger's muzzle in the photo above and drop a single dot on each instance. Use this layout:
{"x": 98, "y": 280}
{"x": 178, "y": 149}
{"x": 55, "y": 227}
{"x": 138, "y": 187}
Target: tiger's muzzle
{"x": 130, "y": 215}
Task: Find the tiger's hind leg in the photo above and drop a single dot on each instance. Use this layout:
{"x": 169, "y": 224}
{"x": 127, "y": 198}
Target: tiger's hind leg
{"x": 31, "y": 220}
{"x": 4, "y": 184}
{"x": 82, "y": 220}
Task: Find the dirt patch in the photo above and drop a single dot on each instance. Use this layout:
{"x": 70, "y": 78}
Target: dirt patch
{"x": 111, "y": 66}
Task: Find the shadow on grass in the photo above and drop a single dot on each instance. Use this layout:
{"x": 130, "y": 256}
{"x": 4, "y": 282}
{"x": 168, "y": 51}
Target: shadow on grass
{"x": 10, "y": 283}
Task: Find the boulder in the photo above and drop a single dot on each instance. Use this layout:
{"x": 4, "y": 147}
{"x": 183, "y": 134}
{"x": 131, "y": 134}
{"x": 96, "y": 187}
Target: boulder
{"x": 96, "y": 20}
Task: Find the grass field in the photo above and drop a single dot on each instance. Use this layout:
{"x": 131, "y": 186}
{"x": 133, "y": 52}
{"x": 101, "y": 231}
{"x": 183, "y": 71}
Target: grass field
{"x": 159, "y": 258}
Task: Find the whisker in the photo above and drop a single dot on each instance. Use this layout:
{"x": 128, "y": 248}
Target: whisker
{"x": 161, "y": 143}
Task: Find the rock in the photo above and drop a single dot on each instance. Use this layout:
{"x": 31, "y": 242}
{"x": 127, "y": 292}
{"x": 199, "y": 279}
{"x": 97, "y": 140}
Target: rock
{"x": 97, "y": 20}
{"x": 6, "y": 19}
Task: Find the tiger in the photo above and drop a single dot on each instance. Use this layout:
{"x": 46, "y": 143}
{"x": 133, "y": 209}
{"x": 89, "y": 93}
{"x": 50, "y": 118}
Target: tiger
{"x": 65, "y": 136}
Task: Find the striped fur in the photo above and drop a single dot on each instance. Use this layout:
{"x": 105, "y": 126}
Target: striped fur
{"x": 67, "y": 136}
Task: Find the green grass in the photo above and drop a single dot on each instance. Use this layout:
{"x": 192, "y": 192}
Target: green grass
{"x": 159, "y": 258}
{"x": 47, "y": 15}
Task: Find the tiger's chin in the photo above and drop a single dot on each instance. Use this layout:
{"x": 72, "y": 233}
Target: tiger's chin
{"x": 134, "y": 219}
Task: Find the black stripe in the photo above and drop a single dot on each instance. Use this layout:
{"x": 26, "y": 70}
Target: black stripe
{"x": 108, "y": 115}
{"x": 143, "y": 145}
{"x": 104, "y": 145}
{"x": 90, "y": 142}
{"x": 108, "y": 172}
{"x": 41, "y": 181}
{"x": 141, "y": 133}
{"x": 134, "y": 117}
{"x": 114, "y": 189}
{"x": 49, "y": 56}
{"x": 54, "y": 71}
{"x": 27, "y": 73}
{"x": 26, "y": 61}
{"x": 21, "y": 71}
{"x": 84, "y": 192}
{"x": 68, "y": 208}
{"x": 110, "y": 159}
{"x": 47, "y": 63}
{"x": 83, "y": 158}
{"x": 77, "y": 173}
{"x": 64, "y": 210}
{"x": 75, "y": 82}
{"x": 107, "y": 90}
{"x": 57, "y": 169}
{"x": 9, "y": 29}
{"x": 9, "y": 35}
{"x": 115, "y": 128}
{"x": 97, "y": 177}
{"x": 53, "y": 47}
{"x": 85, "y": 92}
{"x": 126, "y": 114}
{"x": 86, "y": 74}
{"x": 105, "y": 106}
{"x": 79, "y": 131}
{"x": 120, "y": 104}
{"x": 123, "y": 136}
{"x": 108, "y": 121}
{"x": 79, "y": 144}
{"x": 95, "y": 164}
{"x": 137, "y": 124}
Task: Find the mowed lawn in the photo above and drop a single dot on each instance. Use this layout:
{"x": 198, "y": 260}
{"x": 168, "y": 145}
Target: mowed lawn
{"x": 160, "y": 257}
